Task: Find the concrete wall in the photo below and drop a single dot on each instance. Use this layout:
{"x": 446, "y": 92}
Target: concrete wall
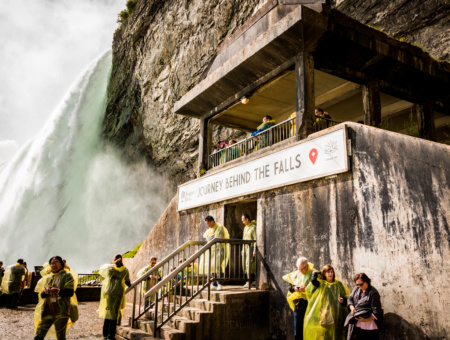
{"x": 388, "y": 217}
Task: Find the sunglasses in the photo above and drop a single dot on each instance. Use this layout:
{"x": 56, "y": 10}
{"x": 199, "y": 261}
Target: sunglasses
{"x": 360, "y": 284}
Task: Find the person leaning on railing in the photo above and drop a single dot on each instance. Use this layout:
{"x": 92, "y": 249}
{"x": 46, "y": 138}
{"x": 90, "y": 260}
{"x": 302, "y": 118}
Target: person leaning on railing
{"x": 268, "y": 122}
{"x": 232, "y": 152}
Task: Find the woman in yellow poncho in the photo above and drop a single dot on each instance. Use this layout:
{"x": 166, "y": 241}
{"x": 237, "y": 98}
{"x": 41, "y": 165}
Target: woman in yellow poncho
{"x": 249, "y": 253}
{"x": 12, "y": 281}
{"x": 326, "y": 312}
{"x": 219, "y": 253}
{"x": 57, "y": 309}
{"x": 112, "y": 299}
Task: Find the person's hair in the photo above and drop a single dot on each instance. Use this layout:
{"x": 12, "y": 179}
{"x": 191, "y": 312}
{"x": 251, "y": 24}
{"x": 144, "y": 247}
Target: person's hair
{"x": 302, "y": 260}
{"x": 325, "y": 269}
{"x": 247, "y": 216}
{"x": 320, "y": 110}
{"x": 363, "y": 277}
{"x": 59, "y": 258}
{"x": 20, "y": 261}
{"x": 64, "y": 261}
{"x": 154, "y": 258}
{"x": 268, "y": 117}
{"x": 209, "y": 218}
{"x": 1, "y": 262}
{"x": 117, "y": 256}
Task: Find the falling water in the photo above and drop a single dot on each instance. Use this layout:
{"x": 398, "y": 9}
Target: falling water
{"x": 68, "y": 193}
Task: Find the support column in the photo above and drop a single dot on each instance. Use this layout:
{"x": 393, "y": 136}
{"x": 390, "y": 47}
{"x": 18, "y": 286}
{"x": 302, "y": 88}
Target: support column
{"x": 425, "y": 120}
{"x": 203, "y": 145}
{"x": 305, "y": 97}
{"x": 372, "y": 104}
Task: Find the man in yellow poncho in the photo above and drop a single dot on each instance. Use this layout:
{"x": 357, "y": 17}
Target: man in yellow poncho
{"x": 326, "y": 312}
{"x": 297, "y": 296}
{"x": 219, "y": 253}
{"x": 151, "y": 281}
{"x": 57, "y": 309}
{"x": 112, "y": 299}
{"x": 249, "y": 253}
{"x": 12, "y": 282}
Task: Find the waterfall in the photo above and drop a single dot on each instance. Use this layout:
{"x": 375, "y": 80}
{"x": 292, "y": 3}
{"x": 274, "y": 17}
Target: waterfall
{"x": 68, "y": 193}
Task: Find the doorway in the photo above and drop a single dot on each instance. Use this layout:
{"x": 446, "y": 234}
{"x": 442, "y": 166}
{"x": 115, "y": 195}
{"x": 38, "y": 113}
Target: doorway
{"x": 233, "y": 222}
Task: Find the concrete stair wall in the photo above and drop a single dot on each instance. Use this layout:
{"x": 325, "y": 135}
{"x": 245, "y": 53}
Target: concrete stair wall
{"x": 235, "y": 313}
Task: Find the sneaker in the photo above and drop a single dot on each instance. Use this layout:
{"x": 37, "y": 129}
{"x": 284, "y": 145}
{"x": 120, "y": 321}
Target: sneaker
{"x": 213, "y": 287}
{"x": 246, "y": 285}
{"x": 219, "y": 287}
{"x": 254, "y": 284}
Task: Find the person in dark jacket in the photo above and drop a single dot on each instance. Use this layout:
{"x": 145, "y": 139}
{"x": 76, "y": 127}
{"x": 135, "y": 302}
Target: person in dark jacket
{"x": 364, "y": 299}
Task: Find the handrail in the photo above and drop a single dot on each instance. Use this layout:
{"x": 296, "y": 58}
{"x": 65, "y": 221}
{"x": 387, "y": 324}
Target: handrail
{"x": 163, "y": 262}
{"x": 176, "y": 279}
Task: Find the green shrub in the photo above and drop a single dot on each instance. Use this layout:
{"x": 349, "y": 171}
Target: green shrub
{"x": 123, "y": 16}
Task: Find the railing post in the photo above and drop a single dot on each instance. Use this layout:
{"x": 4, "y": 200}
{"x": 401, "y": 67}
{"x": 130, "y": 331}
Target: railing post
{"x": 155, "y": 329}
{"x": 134, "y": 308}
{"x": 209, "y": 274}
{"x": 249, "y": 275}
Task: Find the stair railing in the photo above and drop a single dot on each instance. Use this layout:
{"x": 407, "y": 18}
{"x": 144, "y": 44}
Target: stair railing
{"x": 191, "y": 277}
{"x": 170, "y": 261}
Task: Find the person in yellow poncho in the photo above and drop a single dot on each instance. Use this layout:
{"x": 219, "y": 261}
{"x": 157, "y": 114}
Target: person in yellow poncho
{"x": 57, "y": 309}
{"x": 151, "y": 280}
{"x": 219, "y": 253}
{"x": 249, "y": 253}
{"x": 112, "y": 299}
{"x": 297, "y": 296}
{"x": 12, "y": 281}
{"x": 326, "y": 312}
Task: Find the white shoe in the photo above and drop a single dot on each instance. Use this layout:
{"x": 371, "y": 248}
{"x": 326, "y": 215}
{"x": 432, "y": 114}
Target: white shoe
{"x": 219, "y": 287}
{"x": 213, "y": 287}
{"x": 246, "y": 285}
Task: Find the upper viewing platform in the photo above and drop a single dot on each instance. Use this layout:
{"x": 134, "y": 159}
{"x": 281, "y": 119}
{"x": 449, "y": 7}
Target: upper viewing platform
{"x": 290, "y": 59}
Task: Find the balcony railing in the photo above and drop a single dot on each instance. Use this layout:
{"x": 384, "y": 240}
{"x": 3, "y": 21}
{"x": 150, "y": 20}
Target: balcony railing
{"x": 89, "y": 280}
{"x": 269, "y": 137}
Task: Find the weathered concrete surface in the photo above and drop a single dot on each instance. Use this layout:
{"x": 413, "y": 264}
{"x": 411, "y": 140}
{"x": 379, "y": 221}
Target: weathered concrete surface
{"x": 388, "y": 217}
{"x": 164, "y": 47}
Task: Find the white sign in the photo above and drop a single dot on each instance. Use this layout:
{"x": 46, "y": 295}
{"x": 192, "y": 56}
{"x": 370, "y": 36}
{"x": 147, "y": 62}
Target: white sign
{"x": 323, "y": 156}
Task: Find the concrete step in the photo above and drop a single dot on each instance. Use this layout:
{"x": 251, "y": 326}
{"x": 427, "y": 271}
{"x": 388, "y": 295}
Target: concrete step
{"x": 128, "y": 333}
{"x": 167, "y": 332}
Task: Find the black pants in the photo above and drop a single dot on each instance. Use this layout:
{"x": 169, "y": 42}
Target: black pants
{"x": 299, "y": 317}
{"x": 217, "y": 276}
{"x": 12, "y": 300}
{"x": 109, "y": 329}
{"x": 361, "y": 334}
{"x": 47, "y": 322}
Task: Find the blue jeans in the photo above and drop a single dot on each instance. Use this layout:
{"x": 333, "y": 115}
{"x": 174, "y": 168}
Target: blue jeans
{"x": 299, "y": 317}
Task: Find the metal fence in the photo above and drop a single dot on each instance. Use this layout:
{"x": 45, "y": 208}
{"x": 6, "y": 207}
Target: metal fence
{"x": 323, "y": 123}
{"x": 273, "y": 135}
{"x": 89, "y": 280}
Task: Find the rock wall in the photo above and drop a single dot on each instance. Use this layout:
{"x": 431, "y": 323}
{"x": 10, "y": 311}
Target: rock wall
{"x": 164, "y": 47}
{"x": 388, "y": 217}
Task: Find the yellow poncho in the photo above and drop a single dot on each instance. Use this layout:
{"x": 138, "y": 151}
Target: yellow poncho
{"x": 296, "y": 278}
{"x": 57, "y": 307}
{"x": 12, "y": 280}
{"x": 219, "y": 253}
{"x": 249, "y": 234}
{"x": 325, "y": 316}
{"x": 112, "y": 298}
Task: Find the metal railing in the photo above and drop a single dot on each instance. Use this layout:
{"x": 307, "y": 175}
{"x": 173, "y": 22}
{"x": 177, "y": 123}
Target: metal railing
{"x": 89, "y": 280}
{"x": 322, "y": 123}
{"x": 182, "y": 284}
{"x": 273, "y": 135}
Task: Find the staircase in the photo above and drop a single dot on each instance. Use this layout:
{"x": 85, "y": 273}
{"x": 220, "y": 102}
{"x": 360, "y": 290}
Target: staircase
{"x": 233, "y": 313}
{"x": 182, "y": 305}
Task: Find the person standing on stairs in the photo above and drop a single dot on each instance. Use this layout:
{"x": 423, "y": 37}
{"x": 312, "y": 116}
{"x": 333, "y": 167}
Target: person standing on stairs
{"x": 151, "y": 281}
{"x": 249, "y": 253}
{"x": 219, "y": 252}
{"x": 112, "y": 299}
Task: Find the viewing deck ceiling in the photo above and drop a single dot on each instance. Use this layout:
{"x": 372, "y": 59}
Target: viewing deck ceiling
{"x": 341, "y": 47}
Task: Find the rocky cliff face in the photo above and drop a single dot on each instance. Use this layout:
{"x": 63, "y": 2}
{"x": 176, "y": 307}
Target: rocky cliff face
{"x": 164, "y": 47}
